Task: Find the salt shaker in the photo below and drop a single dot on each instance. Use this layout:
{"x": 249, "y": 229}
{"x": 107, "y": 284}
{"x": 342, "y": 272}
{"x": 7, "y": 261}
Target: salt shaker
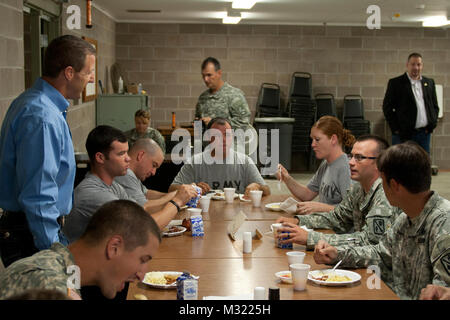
{"x": 258, "y": 293}
{"x": 247, "y": 237}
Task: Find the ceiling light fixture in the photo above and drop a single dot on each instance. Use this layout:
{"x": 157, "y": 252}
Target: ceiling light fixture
{"x": 243, "y": 4}
{"x": 436, "y": 21}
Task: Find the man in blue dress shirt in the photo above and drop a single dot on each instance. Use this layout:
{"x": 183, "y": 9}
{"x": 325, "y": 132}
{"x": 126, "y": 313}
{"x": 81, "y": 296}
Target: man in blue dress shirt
{"x": 37, "y": 163}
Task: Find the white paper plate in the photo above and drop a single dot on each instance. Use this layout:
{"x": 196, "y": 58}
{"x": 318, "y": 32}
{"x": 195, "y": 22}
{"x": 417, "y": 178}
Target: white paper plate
{"x": 280, "y": 275}
{"x": 176, "y": 233}
{"x": 317, "y": 273}
{"x": 241, "y": 197}
{"x": 167, "y": 286}
{"x": 275, "y": 206}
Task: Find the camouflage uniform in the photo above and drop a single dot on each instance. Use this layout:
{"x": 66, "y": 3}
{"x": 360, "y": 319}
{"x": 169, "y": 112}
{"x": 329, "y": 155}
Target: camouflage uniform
{"x": 151, "y": 133}
{"x": 413, "y": 253}
{"x": 359, "y": 219}
{"x": 46, "y": 269}
{"x": 228, "y": 102}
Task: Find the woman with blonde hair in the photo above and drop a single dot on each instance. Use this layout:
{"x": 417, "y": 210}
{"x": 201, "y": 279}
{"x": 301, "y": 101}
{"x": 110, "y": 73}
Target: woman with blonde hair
{"x": 143, "y": 130}
{"x": 332, "y": 179}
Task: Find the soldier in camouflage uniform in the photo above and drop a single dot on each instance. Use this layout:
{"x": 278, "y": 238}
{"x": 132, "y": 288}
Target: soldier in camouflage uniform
{"x": 142, "y": 130}
{"x": 362, "y": 217}
{"x": 415, "y": 252}
{"x": 221, "y": 99}
{"x": 114, "y": 247}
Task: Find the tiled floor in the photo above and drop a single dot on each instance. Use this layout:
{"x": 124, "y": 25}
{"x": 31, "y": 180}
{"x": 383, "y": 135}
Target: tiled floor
{"x": 439, "y": 183}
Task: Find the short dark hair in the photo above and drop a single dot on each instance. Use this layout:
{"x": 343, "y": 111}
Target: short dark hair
{"x": 212, "y": 60}
{"x": 121, "y": 217}
{"x": 66, "y": 51}
{"x": 100, "y": 140}
{"x": 218, "y": 120}
{"x": 408, "y": 164}
{"x": 382, "y": 144}
{"x": 415, "y": 55}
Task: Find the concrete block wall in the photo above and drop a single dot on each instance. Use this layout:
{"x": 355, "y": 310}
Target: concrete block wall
{"x": 81, "y": 116}
{"x": 11, "y": 53}
{"x": 166, "y": 59}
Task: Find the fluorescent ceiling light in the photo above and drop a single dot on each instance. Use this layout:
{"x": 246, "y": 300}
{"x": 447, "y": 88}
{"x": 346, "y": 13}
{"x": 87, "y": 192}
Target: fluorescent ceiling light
{"x": 436, "y": 21}
{"x": 231, "y": 20}
{"x": 243, "y": 4}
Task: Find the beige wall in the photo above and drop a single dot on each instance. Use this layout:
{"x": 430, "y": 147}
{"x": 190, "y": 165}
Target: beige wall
{"x": 11, "y": 53}
{"x": 166, "y": 59}
{"x": 81, "y": 116}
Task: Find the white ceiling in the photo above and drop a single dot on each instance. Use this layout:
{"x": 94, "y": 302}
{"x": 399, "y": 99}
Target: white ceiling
{"x": 295, "y": 12}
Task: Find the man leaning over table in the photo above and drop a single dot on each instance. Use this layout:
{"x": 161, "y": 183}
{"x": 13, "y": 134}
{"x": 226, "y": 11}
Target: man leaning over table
{"x": 363, "y": 216}
{"x": 415, "y": 252}
{"x": 37, "y": 162}
{"x": 119, "y": 241}
{"x": 146, "y": 156}
{"x": 220, "y": 166}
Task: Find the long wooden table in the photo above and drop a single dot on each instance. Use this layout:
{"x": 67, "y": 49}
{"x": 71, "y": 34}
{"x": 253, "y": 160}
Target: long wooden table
{"x": 225, "y": 270}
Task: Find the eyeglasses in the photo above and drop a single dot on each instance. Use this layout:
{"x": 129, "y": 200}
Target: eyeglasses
{"x": 359, "y": 157}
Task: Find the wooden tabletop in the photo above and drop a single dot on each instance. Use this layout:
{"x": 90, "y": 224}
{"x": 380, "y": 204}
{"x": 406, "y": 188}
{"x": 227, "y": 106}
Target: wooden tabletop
{"x": 225, "y": 270}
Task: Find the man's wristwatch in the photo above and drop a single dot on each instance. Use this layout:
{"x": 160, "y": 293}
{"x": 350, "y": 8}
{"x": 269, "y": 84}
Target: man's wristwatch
{"x": 175, "y": 204}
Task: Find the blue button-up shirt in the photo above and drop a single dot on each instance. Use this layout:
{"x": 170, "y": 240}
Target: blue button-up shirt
{"x": 37, "y": 162}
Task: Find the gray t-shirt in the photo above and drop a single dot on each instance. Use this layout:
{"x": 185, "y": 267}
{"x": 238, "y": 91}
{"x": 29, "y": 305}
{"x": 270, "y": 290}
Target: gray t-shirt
{"x": 90, "y": 195}
{"x": 238, "y": 174}
{"x": 331, "y": 180}
{"x": 133, "y": 187}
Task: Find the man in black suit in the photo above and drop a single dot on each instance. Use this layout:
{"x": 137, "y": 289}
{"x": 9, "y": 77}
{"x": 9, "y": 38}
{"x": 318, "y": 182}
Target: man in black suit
{"x": 410, "y": 105}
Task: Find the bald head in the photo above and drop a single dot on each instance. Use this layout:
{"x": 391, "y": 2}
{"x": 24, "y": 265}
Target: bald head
{"x": 146, "y": 144}
{"x": 146, "y": 157}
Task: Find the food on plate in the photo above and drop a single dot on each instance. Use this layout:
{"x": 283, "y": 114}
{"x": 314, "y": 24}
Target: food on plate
{"x": 155, "y": 277}
{"x": 187, "y": 224}
{"x": 331, "y": 277}
{"x": 172, "y": 229}
{"x": 171, "y": 278}
{"x": 275, "y": 206}
{"x": 286, "y": 275}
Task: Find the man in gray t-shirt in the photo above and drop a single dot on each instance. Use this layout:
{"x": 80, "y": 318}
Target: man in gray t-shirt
{"x": 90, "y": 195}
{"x": 146, "y": 156}
{"x": 229, "y": 169}
{"x": 331, "y": 180}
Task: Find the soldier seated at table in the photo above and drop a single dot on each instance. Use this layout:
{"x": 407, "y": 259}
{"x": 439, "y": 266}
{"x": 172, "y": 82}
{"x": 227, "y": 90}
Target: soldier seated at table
{"x": 220, "y": 166}
{"x": 143, "y": 130}
{"x": 146, "y": 156}
{"x": 416, "y": 250}
{"x": 119, "y": 241}
{"x": 363, "y": 216}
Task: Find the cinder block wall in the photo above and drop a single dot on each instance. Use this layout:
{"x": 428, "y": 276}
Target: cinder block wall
{"x": 11, "y": 53}
{"x": 81, "y": 116}
{"x": 166, "y": 59}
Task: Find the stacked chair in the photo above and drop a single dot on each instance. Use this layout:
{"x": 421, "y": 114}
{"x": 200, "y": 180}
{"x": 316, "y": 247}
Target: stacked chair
{"x": 353, "y": 115}
{"x": 325, "y": 105}
{"x": 268, "y": 104}
{"x": 302, "y": 107}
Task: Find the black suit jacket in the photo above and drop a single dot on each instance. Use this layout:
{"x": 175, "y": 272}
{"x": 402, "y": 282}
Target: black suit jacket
{"x": 400, "y": 109}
